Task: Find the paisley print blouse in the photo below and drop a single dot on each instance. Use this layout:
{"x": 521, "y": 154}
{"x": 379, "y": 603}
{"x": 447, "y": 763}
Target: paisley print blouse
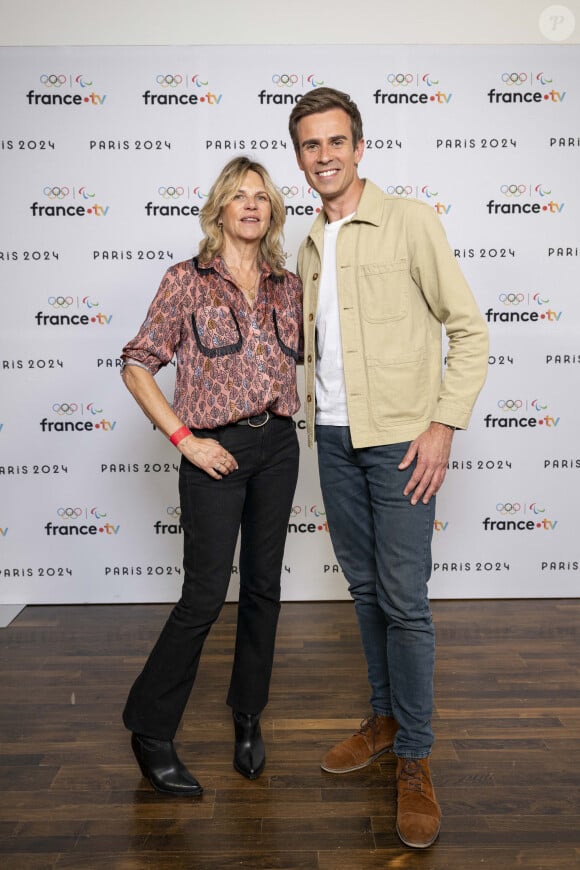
{"x": 233, "y": 361}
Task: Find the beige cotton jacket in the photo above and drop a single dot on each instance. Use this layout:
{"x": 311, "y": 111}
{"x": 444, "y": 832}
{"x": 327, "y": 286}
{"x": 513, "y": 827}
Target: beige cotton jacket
{"x": 398, "y": 285}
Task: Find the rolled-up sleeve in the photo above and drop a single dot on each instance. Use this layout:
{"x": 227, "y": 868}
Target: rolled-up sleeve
{"x": 154, "y": 345}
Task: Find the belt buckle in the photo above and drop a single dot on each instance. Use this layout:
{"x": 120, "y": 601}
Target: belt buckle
{"x": 259, "y": 425}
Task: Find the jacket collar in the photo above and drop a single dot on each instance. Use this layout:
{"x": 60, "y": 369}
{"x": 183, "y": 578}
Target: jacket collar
{"x": 369, "y": 211}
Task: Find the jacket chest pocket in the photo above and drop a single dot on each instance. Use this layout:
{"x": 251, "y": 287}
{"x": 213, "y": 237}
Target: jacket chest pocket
{"x": 383, "y": 291}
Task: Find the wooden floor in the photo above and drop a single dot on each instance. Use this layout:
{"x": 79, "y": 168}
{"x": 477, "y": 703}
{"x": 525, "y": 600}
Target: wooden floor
{"x": 506, "y": 763}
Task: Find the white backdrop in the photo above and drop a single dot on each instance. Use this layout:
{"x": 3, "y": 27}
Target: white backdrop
{"x": 106, "y": 155}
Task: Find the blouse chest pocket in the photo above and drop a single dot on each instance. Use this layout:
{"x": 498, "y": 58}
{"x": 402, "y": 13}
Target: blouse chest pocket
{"x": 384, "y": 291}
{"x": 287, "y": 332}
{"x": 216, "y": 331}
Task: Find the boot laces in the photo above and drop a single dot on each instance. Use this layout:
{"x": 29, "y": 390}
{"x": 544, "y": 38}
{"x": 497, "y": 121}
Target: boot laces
{"x": 370, "y": 724}
{"x": 412, "y": 774}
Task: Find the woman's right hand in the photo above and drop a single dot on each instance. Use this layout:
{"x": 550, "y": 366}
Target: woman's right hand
{"x": 209, "y": 455}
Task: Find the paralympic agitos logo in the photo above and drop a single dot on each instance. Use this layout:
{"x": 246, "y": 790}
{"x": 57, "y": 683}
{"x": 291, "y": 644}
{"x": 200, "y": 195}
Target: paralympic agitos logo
{"x": 65, "y": 89}
{"x": 76, "y": 417}
{"x": 68, "y": 201}
{"x": 81, "y": 521}
{"x": 73, "y": 311}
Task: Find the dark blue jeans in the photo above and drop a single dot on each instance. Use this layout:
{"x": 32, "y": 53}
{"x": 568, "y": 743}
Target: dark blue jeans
{"x": 255, "y": 500}
{"x": 383, "y": 545}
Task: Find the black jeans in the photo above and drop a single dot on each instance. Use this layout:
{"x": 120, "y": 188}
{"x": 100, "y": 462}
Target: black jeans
{"x": 255, "y": 499}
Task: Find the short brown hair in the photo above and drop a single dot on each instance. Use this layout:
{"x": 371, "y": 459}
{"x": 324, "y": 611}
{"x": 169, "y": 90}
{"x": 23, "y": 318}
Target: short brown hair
{"x": 322, "y": 100}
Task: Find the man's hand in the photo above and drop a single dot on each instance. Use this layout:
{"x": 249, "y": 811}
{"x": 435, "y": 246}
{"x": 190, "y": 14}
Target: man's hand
{"x": 432, "y": 450}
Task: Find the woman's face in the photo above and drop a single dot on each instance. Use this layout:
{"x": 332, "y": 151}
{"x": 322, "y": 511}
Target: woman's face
{"x": 247, "y": 217}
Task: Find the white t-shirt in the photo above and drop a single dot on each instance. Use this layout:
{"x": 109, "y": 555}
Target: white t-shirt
{"x": 331, "y": 408}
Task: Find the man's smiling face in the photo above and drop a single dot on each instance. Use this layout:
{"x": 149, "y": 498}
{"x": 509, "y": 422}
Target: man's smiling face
{"x": 327, "y": 155}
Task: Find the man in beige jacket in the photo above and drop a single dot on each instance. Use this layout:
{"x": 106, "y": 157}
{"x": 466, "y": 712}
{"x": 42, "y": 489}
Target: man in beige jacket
{"x": 380, "y": 282}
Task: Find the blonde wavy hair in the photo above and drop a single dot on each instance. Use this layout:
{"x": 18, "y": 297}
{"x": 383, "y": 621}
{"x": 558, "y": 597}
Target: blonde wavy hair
{"x": 222, "y": 193}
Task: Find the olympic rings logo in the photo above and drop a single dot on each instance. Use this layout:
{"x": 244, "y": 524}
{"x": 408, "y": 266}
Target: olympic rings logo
{"x": 510, "y": 404}
{"x": 289, "y": 191}
{"x": 511, "y": 298}
{"x": 513, "y": 189}
{"x": 70, "y": 513}
{"x": 508, "y": 508}
{"x": 53, "y": 81}
{"x": 170, "y": 192}
{"x": 514, "y": 78}
{"x": 285, "y": 80}
{"x": 56, "y": 192}
{"x": 65, "y": 408}
{"x": 400, "y": 79}
{"x": 60, "y": 301}
{"x": 400, "y": 190}
{"x": 173, "y": 511}
{"x": 296, "y": 509}
{"x": 169, "y": 81}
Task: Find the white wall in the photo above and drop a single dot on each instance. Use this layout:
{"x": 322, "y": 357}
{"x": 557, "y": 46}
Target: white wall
{"x": 191, "y": 22}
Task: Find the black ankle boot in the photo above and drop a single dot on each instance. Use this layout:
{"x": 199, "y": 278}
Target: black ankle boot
{"x": 160, "y": 764}
{"x": 249, "y": 752}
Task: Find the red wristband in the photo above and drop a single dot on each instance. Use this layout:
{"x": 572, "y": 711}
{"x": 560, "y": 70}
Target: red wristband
{"x": 179, "y": 435}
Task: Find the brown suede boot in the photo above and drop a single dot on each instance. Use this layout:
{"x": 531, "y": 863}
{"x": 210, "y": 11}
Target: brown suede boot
{"x": 418, "y": 813}
{"x": 374, "y": 737}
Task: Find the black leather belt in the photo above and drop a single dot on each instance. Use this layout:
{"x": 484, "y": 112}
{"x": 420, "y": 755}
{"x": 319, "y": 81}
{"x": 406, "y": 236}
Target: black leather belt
{"x": 255, "y": 422}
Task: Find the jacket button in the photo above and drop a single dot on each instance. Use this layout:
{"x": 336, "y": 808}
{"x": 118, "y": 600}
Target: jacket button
{"x": 315, "y": 276}
{"x": 311, "y": 317}
{"x": 309, "y": 358}
{"x": 308, "y": 398}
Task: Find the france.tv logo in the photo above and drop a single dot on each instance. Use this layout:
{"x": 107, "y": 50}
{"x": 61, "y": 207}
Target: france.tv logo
{"x": 525, "y": 87}
{"x": 64, "y": 89}
{"x": 77, "y": 417}
{"x": 73, "y": 311}
{"x": 80, "y": 521}
{"x": 517, "y": 516}
{"x": 181, "y": 89}
{"x": 69, "y": 201}
{"x": 412, "y": 88}
{"x": 521, "y": 198}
